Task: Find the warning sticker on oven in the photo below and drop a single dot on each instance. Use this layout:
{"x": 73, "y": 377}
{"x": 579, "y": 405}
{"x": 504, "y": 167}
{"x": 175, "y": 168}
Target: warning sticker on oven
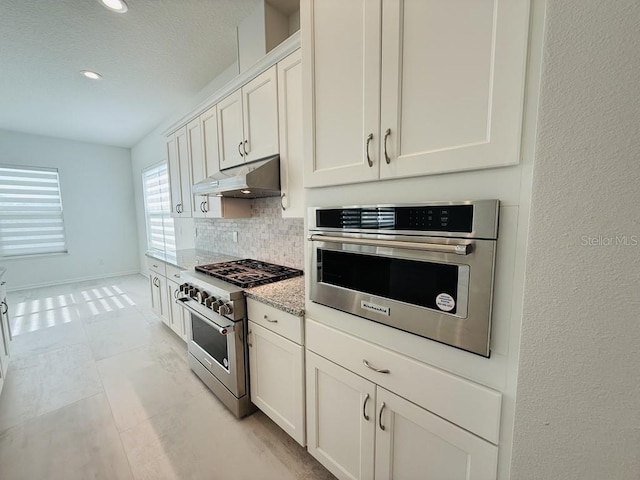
{"x": 445, "y": 302}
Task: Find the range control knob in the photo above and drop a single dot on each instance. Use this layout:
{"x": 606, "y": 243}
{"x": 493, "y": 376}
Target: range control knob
{"x": 202, "y": 296}
{"x": 193, "y": 293}
{"x": 209, "y": 301}
{"x": 184, "y": 287}
{"x": 225, "y": 309}
{"x": 215, "y": 305}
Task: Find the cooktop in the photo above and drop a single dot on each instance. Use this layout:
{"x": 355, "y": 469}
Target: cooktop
{"x": 248, "y": 273}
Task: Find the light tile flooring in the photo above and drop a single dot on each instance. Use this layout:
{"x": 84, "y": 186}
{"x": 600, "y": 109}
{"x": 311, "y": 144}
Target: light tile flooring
{"x": 99, "y": 388}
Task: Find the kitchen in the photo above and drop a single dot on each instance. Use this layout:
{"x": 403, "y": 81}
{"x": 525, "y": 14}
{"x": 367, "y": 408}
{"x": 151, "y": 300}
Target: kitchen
{"x": 548, "y": 376}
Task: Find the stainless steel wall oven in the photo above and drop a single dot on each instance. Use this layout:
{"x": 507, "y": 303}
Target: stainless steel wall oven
{"x": 426, "y": 269}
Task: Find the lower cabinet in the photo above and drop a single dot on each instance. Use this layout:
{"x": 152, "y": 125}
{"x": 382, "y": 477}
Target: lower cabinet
{"x": 359, "y": 430}
{"x": 276, "y": 366}
{"x": 178, "y": 318}
{"x": 159, "y": 300}
{"x": 5, "y": 335}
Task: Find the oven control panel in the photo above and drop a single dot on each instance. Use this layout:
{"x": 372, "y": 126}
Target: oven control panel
{"x": 209, "y": 301}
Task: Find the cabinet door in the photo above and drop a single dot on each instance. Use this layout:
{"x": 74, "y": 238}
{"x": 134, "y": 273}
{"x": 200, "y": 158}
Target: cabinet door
{"x": 415, "y": 444}
{"x": 340, "y": 419}
{"x": 290, "y": 132}
{"x": 182, "y": 140}
{"x": 176, "y": 312}
{"x": 159, "y": 302}
{"x": 277, "y": 379}
{"x": 230, "y": 134}
{"x": 196, "y": 165}
{"x": 260, "y": 114}
{"x": 5, "y": 336}
{"x": 342, "y": 76}
{"x": 452, "y": 84}
{"x": 210, "y": 151}
{"x": 174, "y": 176}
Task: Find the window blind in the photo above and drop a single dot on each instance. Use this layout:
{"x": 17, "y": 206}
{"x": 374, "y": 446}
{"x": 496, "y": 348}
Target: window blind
{"x": 31, "y": 220}
{"x": 160, "y": 228}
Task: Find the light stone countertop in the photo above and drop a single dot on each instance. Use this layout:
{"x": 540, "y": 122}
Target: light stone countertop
{"x": 286, "y": 295}
{"x": 188, "y": 258}
{"x": 2, "y": 271}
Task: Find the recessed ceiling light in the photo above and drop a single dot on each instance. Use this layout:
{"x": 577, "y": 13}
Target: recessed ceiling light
{"x": 218, "y": 194}
{"x": 115, "y": 5}
{"x": 91, "y": 75}
{"x": 246, "y": 192}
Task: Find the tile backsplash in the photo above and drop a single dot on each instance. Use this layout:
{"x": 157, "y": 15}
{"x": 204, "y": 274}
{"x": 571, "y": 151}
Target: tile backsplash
{"x": 264, "y": 236}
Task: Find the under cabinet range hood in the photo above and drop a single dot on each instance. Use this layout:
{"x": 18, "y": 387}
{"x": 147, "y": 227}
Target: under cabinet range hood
{"x": 251, "y": 180}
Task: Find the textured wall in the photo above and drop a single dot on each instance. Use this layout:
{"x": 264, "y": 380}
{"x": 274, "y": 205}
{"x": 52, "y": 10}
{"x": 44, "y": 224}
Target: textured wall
{"x": 265, "y": 236}
{"x": 578, "y": 395}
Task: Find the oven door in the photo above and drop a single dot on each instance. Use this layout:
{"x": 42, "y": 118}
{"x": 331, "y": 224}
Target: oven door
{"x": 217, "y": 343}
{"x": 439, "y": 288}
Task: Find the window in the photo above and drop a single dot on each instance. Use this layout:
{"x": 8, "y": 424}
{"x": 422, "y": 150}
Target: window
{"x": 157, "y": 205}
{"x": 30, "y": 212}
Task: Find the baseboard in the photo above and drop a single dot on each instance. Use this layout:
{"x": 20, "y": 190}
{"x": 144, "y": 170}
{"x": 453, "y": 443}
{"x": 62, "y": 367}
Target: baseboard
{"x": 73, "y": 280}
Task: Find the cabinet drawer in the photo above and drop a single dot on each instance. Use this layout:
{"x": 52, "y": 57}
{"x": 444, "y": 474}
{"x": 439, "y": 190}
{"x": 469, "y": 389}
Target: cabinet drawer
{"x": 157, "y": 266}
{"x": 282, "y": 323}
{"x": 467, "y": 404}
{"x": 173, "y": 273}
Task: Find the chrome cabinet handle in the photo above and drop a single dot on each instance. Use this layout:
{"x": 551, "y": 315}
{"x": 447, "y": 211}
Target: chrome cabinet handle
{"x": 379, "y": 370}
{"x": 387, "y": 132}
{"x": 176, "y": 292}
{"x": 240, "y": 151}
{"x": 282, "y": 201}
{"x": 179, "y": 208}
{"x": 269, "y": 320}
{"x": 369, "y": 138}
{"x": 248, "y": 339}
{"x": 6, "y": 308}
{"x": 382, "y": 427}
{"x": 156, "y": 282}
{"x": 202, "y": 207}
{"x": 364, "y": 408}
{"x": 6, "y": 312}
{"x": 155, "y": 266}
{"x": 244, "y": 147}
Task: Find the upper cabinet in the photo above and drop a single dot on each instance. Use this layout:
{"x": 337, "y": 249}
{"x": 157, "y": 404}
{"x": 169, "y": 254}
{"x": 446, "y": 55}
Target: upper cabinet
{"x": 179, "y": 173}
{"x": 290, "y": 132}
{"x": 204, "y": 163}
{"x": 398, "y": 88}
{"x": 248, "y": 121}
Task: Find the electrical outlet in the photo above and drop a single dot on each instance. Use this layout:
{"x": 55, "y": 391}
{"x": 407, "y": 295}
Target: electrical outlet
{"x": 235, "y": 237}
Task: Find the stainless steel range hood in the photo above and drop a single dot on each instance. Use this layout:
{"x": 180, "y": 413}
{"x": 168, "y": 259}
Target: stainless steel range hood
{"x": 260, "y": 178}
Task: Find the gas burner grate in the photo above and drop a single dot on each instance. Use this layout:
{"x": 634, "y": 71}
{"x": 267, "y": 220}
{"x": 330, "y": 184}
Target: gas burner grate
{"x": 248, "y": 273}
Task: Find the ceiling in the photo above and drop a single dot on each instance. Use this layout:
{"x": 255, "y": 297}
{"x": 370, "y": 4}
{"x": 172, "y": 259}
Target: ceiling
{"x": 153, "y": 59}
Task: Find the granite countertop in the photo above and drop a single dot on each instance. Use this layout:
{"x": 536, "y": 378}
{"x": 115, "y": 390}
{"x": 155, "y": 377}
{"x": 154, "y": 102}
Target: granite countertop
{"x": 286, "y": 295}
{"x": 188, "y": 258}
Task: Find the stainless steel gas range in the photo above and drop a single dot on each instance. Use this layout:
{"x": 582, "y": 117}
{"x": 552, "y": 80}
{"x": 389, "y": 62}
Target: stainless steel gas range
{"x": 214, "y": 300}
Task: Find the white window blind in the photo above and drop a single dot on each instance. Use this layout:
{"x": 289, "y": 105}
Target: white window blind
{"x": 160, "y": 229}
{"x": 30, "y": 212}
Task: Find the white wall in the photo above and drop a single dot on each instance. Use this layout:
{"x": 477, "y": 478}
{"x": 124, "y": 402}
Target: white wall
{"x": 152, "y": 149}
{"x": 97, "y": 199}
{"x": 578, "y": 395}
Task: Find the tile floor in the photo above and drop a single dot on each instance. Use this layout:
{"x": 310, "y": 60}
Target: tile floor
{"x": 99, "y": 388}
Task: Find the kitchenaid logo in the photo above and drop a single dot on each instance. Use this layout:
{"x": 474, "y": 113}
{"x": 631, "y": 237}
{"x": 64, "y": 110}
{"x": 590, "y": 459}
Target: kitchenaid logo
{"x": 372, "y": 307}
{"x": 609, "y": 241}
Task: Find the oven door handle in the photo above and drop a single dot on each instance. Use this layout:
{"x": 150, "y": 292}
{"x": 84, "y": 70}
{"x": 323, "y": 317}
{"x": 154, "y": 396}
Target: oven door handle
{"x": 222, "y": 329}
{"x": 458, "y": 249}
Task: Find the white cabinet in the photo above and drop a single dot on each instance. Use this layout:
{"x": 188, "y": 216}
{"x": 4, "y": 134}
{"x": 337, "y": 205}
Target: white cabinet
{"x": 209, "y": 163}
{"x": 373, "y": 413}
{"x": 340, "y": 419}
{"x": 179, "y": 173}
{"x": 276, "y": 367}
{"x": 198, "y": 167}
{"x": 412, "y": 443}
{"x": 248, "y": 121}
{"x": 177, "y": 316}
{"x": 5, "y": 334}
{"x": 159, "y": 300}
{"x": 405, "y": 87}
{"x": 290, "y": 133}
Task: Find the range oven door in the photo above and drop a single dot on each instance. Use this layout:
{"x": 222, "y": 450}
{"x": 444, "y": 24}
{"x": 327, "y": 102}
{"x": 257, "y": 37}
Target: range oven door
{"x": 217, "y": 343}
{"x": 439, "y": 288}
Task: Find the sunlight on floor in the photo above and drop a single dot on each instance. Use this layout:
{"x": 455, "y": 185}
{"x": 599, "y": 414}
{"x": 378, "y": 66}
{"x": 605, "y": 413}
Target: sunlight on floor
{"x": 41, "y": 313}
